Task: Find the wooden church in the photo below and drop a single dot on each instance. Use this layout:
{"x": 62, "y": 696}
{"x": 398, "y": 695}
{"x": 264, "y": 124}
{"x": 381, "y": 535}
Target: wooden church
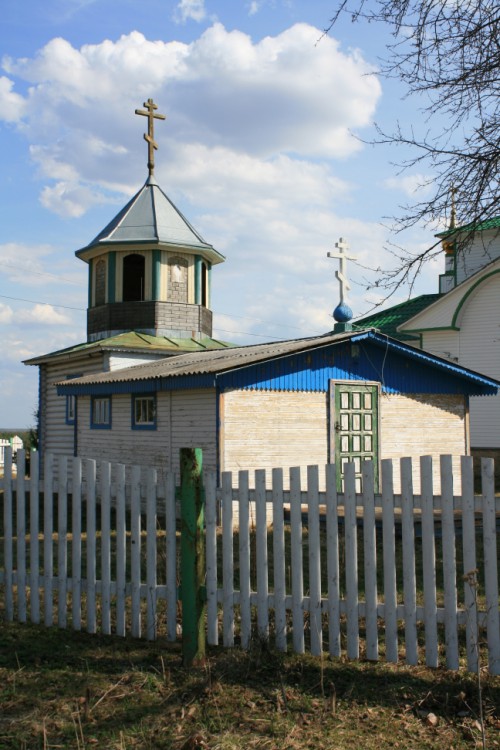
{"x": 123, "y": 396}
{"x": 461, "y": 322}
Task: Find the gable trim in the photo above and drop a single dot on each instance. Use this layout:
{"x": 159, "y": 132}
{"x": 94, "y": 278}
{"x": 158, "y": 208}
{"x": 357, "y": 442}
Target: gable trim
{"x": 467, "y": 294}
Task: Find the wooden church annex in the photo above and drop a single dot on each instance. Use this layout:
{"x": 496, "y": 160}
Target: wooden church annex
{"x": 343, "y": 396}
{"x": 150, "y": 378}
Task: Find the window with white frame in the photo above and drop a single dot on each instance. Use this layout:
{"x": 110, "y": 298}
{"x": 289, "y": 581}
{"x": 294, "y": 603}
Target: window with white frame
{"x": 144, "y": 412}
{"x": 101, "y": 412}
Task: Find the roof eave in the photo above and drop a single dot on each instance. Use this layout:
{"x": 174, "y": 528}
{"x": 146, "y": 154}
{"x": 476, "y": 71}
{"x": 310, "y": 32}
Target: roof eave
{"x": 206, "y": 251}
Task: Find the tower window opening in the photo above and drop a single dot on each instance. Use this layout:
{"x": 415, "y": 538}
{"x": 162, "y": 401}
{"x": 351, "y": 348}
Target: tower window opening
{"x": 204, "y": 285}
{"x": 133, "y": 278}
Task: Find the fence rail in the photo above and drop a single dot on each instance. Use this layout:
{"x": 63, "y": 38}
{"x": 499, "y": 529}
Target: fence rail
{"x": 380, "y": 575}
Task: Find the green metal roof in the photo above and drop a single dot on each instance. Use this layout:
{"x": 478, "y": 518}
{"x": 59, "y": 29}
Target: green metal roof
{"x": 481, "y": 226}
{"x": 387, "y": 321}
{"x": 136, "y": 342}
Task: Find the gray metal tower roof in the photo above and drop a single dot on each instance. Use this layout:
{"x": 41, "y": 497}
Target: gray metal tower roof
{"x": 150, "y": 217}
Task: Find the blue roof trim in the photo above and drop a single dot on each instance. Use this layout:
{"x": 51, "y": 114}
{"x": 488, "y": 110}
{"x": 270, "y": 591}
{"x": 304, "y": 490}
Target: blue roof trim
{"x": 431, "y": 359}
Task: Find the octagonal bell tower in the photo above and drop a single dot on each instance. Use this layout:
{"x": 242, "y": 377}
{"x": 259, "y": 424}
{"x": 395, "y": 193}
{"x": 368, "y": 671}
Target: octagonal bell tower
{"x": 149, "y": 269}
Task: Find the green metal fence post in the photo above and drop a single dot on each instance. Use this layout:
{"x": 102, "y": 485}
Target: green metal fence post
{"x": 193, "y": 593}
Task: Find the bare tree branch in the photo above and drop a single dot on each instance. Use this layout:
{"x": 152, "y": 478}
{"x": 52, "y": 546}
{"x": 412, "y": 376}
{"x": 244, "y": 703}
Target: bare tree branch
{"x": 448, "y": 52}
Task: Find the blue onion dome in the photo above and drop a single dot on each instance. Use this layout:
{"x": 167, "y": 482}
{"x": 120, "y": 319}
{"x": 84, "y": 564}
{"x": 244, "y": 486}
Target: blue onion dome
{"x": 342, "y": 313}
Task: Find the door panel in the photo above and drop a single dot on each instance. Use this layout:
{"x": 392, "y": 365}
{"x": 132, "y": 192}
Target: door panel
{"x": 354, "y": 428}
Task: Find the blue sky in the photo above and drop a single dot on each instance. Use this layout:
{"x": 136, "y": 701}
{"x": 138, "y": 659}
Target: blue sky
{"x": 261, "y": 149}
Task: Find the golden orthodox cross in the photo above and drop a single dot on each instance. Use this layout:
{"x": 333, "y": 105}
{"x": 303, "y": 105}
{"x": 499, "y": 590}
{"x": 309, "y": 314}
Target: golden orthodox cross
{"x": 150, "y": 136}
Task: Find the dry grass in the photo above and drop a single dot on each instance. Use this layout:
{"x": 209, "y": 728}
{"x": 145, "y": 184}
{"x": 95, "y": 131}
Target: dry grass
{"x": 60, "y": 689}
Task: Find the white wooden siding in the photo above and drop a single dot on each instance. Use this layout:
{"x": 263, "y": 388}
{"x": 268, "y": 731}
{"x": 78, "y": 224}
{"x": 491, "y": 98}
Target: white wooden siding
{"x": 264, "y": 429}
{"x": 185, "y": 419}
{"x": 119, "y": 360}
{"x": 480, "y": 350}
{"x": 423, "y": 425}
{"x": 444, "y": 344}
{"x": 57, "y": 436}
{"x": 484, "y": 248}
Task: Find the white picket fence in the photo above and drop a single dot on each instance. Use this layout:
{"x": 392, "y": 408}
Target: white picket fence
{"x": 296, "y": 582}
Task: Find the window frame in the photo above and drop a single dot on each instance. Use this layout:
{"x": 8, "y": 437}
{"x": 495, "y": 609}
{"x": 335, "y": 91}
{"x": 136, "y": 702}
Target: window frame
{"x": 100, "y": 425}
{"x": 138, "y": 425}
{"x": 71, "y": 400}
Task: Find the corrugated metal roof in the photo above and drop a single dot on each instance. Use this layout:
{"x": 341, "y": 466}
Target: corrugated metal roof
{"x": 480, "y": 226}
{"x": 132, "y": 341}
{"x": 387, "y": 321}
{"x": 151, "y": 217}
{"x": 210, "y": 361}
{"x": 199, "y": 365}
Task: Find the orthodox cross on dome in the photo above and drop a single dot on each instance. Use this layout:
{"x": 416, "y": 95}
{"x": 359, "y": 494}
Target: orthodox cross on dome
{"x": 150, "y": 136}
{"x": 453, "y": 216}
{"x": 342, "y": 313}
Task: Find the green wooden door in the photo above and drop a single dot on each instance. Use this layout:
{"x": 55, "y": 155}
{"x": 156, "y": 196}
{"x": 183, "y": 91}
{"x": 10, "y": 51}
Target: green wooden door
{"x": 355, "y": 429}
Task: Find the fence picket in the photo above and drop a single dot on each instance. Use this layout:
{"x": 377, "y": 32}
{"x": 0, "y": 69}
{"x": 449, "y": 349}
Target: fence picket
{"x": 227, "y": 560}
{"x": 314, "y": 561}
{"x": 34, "y": 542}
{"x": 7, "y": 542}
{"x": 470, "y": 565}
{"x": 105, "y": 470}
{"x": 449, "y": 564}
{"x": 490, "y": 565}
{"x": 91, "y": 547}
{"x": 135, "y": 551}
{"x": 62, "y": 542}
{"x": 429, "y": 562}
{"x": 370, "y": 553}
{"x": 151, "y": 555}
{"x": 121, "y": 548}
{"x": 389, "y": 546}
{"x": 332, "y": 560}
{"x": 351, "y": 561}
{"x": 279, "y": 561}
{"x": 210, "y": 482}
{"x": 76, "y": 545}
{"x": 261, "y": 555}
{"x": 244, "y": 551}
{"x": 297, "y": 561}
{"x": 48, "y": 562}
{"x": 409, "y": 581}
{"x": 21, "y": 536}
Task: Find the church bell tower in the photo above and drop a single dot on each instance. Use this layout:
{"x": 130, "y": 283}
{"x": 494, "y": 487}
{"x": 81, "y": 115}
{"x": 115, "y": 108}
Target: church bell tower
{"x": 149, "y": 269}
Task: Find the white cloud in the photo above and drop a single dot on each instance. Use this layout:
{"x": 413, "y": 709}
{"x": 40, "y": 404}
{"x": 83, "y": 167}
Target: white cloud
{"x": 42, "y": 315}
{"x": 6, "y": 313}
{"x": 193, "y": 10}
{"x": 254, "y": 7}
{"x": 12, "y": 105}
{"x": 281, "y": 95}
{"x": 69, "y": 199}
